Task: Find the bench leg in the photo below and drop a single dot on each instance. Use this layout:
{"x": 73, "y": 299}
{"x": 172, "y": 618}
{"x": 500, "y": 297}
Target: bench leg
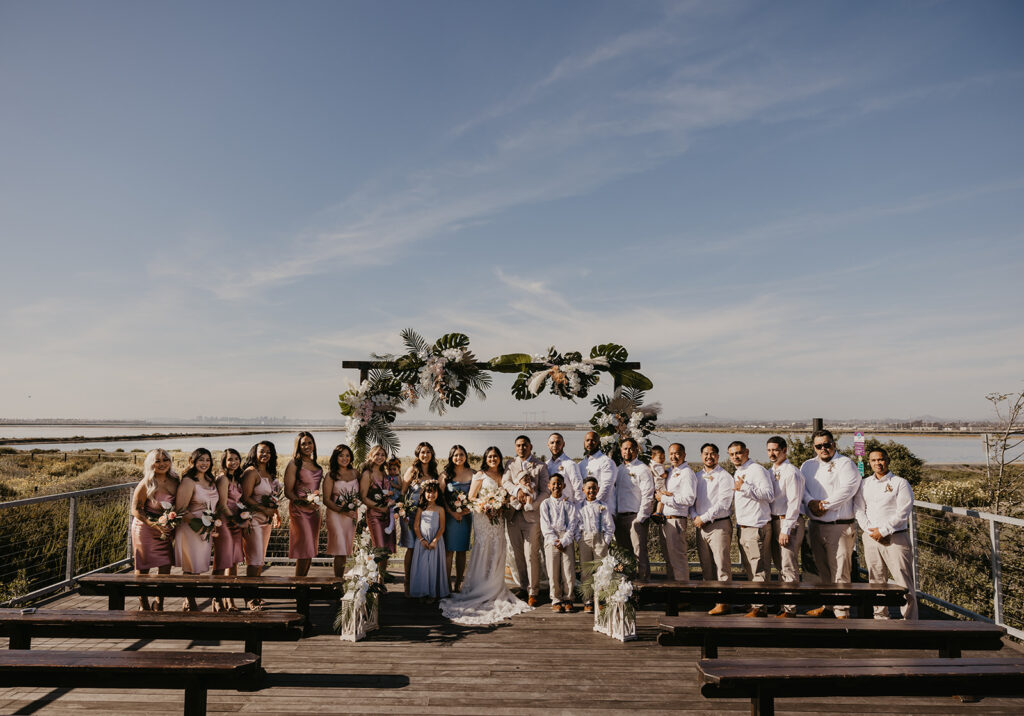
{"x": 949, "y": 651}
{"x": 195, "y": 699}
{"x": 254, "y": 645}
{"x": 763, "y": 704}
{"x": 709, "y": 649}
{"x": 19, "y": 639}
{"x": 302, "y": 607}
{"x": 115, "y": 600}
{"x": 671, "y": 605}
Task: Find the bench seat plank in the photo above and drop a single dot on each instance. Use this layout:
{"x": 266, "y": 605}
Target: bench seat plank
{"x": 948, "y": 637}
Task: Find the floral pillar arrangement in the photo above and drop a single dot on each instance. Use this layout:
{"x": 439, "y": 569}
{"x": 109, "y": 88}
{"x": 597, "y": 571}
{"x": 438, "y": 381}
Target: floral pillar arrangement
{"x": 614, "y": 604}
{"x": 359, "y": 612}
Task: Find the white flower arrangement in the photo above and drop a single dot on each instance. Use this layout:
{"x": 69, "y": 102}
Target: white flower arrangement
{"x": 613, "y": 613}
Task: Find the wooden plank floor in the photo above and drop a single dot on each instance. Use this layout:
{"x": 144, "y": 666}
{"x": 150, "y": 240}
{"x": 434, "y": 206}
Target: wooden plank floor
{"x": 419, "y": 663}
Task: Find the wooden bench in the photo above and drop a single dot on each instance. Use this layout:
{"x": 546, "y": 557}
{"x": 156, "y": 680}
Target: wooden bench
{"x": 861, "y": 595}
{"x": 947, "y": 636}
{"x": 195, "y": 672}
{"x": 200, "y": 586}
{"x": 764, "y": 680}
{"x": 252, "y": 628}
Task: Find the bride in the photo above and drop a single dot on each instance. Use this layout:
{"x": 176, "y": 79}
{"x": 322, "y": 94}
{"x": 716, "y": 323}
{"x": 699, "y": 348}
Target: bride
{"x": 484, "y": 598}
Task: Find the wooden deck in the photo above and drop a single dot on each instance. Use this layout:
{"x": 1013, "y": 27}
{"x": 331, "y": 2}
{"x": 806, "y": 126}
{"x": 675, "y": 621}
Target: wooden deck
{"x": 418, "y": 663}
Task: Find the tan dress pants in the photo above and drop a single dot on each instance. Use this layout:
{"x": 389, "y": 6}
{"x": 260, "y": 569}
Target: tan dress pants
{"x": 527, "y": 543}
{"x": 832, "y": 546}
{"x": 756, "y": 550}
{"x": 713, "y": 543}
{"x": 898, "y": 558}
{"x": 673, "y": 541}
{"x": 787, "y": 559}
{"x": 633, "y": 536}
{"x": 561, "y": 565}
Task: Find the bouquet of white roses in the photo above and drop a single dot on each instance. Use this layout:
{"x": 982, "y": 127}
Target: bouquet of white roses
{"x": 205, "y": 525}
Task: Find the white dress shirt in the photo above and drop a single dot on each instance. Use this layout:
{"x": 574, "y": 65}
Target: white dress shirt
{"x": 682, "y": 483}
{"x": 559, "y": 521}
{"x": 596, "y": 518}
{"x": 884, "y": 503}
{"x": 570, "y": 472}
{"x": 603, "y": 468}
{"x": 714, "y": 495}
{"x": 634, "y": 490}
{"x": 753, "y": 500}
{"x": 789, "y": 493}
{"x": 834, "y": 483}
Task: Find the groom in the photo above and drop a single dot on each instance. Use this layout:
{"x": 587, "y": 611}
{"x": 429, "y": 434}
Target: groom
{"x": 524, "y": 526}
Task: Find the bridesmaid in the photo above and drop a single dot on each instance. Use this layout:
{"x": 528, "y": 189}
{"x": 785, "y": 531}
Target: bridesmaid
{"x": 197, "y": 493}
{"x": 259, "y": 481}
{"x": 302, "y": 479}
{"x": 458, "y": 526}
{"x": 152, "y": 545}
{"x": 341, "y": 478}
{"x": 423, "y": 469}
{"x": 377, "y": 516}
{"x": 227, "y": 545}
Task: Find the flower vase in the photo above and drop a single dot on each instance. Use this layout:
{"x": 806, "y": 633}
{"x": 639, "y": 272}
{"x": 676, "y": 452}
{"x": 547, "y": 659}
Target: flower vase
{"x": 354, "y": 617}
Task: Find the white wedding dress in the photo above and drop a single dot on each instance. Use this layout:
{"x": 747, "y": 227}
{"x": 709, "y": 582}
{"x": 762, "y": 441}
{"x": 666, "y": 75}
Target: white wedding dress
{"x": 484, "y": 599}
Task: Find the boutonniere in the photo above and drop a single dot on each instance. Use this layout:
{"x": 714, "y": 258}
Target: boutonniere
{"x": 602, "y": 508}
{"x": 888, "y": 488}
{"x": 830, "y": 466}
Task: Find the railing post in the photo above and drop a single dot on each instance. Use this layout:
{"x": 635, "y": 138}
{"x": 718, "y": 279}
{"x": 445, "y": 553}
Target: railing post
{"x": 913, "y": 547}
{"x": 997, "y": 581}
{"x": 69, "y": 571}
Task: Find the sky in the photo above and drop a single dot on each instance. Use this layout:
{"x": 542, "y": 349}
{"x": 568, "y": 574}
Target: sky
{"x": 782, "y": 210}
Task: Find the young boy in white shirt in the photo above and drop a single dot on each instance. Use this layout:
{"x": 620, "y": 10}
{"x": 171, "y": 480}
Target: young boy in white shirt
{"x": 559, "y": 523}
{"x": 660, "y": 473}
{"x": 597, "y": 527}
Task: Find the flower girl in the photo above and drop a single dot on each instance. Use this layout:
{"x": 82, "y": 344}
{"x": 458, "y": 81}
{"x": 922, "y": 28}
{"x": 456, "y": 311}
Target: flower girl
{"x": 429, "y": 575}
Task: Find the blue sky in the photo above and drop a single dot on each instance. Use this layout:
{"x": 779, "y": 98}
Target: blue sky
{"x": 781, "y": 209}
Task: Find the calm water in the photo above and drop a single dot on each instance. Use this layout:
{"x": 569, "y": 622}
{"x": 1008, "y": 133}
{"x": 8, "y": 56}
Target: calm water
{"x": 935, "y": 449}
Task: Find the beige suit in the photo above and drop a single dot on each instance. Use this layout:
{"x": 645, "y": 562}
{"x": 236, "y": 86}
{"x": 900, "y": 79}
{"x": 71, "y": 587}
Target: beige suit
{"x": 524, "y": 525}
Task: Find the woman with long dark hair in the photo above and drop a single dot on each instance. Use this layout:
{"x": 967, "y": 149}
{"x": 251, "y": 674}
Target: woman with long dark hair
{"x": 424, "y": 468}
{"x": 227, "y": 544}
{"x": 341, "y": 479}
{"x": 260, "y": 492}
{"x": 152, "y": 543}
{"x": 457, "y": 525}
{"x": 197, "y": 495}
{"x": 302, "y": 480}
{"x": 374, "y": 477}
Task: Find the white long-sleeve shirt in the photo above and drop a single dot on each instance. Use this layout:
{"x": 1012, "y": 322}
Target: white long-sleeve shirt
{"x": 634, "y": 490}
{"x": 603, "y": 468}
{"x": 754, "y": 498}
{"x": 714, "y": 495}
{"x": 570, "y": 472}
{"x": 834, "y": 483}
{"x": 596, "y": 518}
{"x": 559, "y": 521}
{"x": 884, "y": 503}
{"x": 789, "y": 493}
{"x": 682, "y": 483}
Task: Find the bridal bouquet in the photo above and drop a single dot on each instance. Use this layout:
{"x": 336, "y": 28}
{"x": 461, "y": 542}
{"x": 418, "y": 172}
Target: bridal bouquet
{"x": 169, "y": 519}
{"x": 205, "y": 525}
{"x": 492, "y": 503}
{"x": 348, "y": 501}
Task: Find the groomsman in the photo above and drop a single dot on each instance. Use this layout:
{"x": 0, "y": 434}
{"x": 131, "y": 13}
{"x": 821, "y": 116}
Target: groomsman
{"x": 883, "y": 505}
{"x": 566, "y": 467}
{"x": 753, "y": 493}
{"x": 787, "y": 522}
{"x": 678, "y": 497}
{"x": 634, "y": 499}
{"x": 710, "y": 514}
{"x": 601, "y": 467}
{"x": 831, "y": 481}
{"x": 524, "y": 528}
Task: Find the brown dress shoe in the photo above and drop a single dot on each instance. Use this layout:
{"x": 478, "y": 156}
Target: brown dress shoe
{"x": 719, "y": 610}
{"x": 532, "y": 601}
{"x": 820, "y": 612}
{"x": 556, "y": 607}
{"x": 567, "y": 607}
{"x": 588, "y": 608}
{"x": 756, "y": 612}
{"x": 785, "y": 615}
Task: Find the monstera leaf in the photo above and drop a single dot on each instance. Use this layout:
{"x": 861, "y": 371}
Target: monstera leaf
{"x": 612, "y": 351}
{"x": 632, "y": 379}
{"x": 451, "y": 340}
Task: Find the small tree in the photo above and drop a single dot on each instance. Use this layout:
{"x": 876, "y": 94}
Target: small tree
{"x": 1004, "y": 450}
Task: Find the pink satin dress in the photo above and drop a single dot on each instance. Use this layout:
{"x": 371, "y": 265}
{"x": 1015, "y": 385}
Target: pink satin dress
{"x": 254, "y": 544}
{"x": 191, "y": 552}
{"x": 149, "y": 548}
{"x": 227, "y": 545}
{"x": 341, "y": 527}
{"x": 304, "y": 520}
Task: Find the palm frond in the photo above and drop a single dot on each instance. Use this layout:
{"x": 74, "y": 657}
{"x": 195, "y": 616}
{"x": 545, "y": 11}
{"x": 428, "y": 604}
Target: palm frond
{"x": 414, "y": 341}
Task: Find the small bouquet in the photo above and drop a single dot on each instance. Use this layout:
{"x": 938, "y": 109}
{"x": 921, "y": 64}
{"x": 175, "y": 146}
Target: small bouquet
{"x": 205, "y": 525}
{"x": 273, "y": 500}
{"x": 457, "y": 501}
{"x": 492, "y": 503}
{"x": 241, "y": 520}
{"x": 309, "y": 499}
{"x": 169, "y": 519}
{"x": 378, "y": 496}
{"x": 407, "y": 506}
{"x": 348, "y": 501}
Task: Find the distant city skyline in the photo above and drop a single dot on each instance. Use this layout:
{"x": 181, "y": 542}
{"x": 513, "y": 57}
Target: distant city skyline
{"x": 781, "y": 209}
